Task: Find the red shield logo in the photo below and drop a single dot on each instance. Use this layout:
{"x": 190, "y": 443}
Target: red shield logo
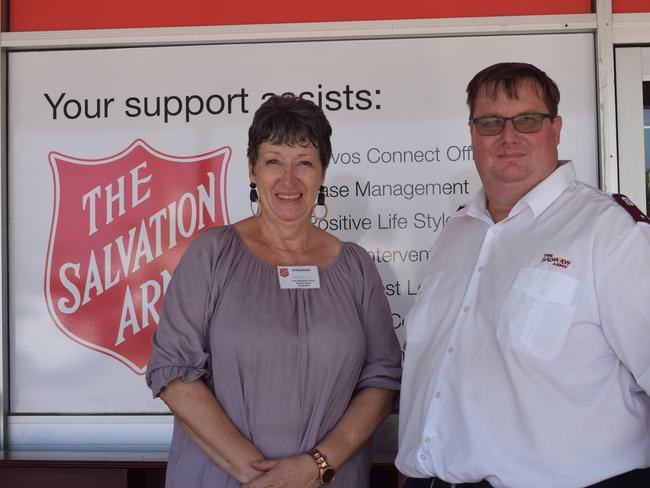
{"x": 119, "y": 226}
{"x": 284, "y": 272}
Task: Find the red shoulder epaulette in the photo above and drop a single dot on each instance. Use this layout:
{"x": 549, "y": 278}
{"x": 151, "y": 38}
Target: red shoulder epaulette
{"x": 632, "y": 209}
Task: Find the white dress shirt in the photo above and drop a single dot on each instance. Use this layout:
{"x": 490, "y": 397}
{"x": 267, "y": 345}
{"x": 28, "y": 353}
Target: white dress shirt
{"x": 528, "y": 346}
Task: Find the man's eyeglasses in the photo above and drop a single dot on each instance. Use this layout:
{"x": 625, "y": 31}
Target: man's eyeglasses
{"x": 526, "y": 123}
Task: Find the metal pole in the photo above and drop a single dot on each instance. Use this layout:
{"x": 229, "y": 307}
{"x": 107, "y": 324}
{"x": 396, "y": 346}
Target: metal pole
{"x": 4, "y": 323}
{"x": 606, "y": 97}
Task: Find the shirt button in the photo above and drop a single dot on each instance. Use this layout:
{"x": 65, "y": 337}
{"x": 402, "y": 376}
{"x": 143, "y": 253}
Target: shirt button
{"x": 423, "y": 457}
{"x": 465, "y": 309}
{"x": 437, "y": 394}
{"x": 427, "y": 439}
{"x": 450, "y": 350}
{"x": 480, "y": 269}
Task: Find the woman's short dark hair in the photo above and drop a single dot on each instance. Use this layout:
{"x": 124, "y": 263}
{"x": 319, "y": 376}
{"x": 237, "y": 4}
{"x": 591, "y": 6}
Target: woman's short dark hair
{"x": 509, "y": 77}
{"x": 287, "y": 119}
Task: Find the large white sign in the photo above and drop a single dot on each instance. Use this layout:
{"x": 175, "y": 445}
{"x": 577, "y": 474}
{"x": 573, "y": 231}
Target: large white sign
{"x": 100, "y": 142}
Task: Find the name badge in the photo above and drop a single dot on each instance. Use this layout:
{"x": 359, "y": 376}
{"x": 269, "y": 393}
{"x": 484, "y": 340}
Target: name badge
{"x": 298, "y": 277}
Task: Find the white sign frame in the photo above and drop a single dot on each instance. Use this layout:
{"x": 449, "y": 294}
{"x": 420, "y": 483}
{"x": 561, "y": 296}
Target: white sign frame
{"x": 588, "y": 170}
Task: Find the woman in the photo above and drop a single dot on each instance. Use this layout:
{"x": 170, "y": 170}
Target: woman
{"x": 275, "y": 350}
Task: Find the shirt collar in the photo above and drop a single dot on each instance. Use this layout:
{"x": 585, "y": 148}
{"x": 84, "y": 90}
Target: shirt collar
{"x": 538, "y": 199}
{"x": 476, "y": 207}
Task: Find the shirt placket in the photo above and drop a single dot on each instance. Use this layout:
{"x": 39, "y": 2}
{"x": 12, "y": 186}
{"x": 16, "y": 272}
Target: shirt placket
{"x": 460, "y": 324}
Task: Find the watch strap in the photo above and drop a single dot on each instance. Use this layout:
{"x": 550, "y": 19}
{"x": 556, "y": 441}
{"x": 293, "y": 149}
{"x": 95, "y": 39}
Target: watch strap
{"x": 325, "y": 470}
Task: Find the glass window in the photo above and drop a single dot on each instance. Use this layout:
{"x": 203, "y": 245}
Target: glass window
{"x": 646, "y": 137}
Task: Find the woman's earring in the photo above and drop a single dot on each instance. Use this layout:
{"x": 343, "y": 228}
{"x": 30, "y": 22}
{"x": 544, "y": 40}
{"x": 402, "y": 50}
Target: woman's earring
{"x": 255, "y": 200}
{"x": 320, "y": 209}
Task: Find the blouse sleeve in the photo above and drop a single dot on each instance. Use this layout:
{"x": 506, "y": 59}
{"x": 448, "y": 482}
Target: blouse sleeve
{"x": 180, "y": 343}
{"x": 382, "y": 366}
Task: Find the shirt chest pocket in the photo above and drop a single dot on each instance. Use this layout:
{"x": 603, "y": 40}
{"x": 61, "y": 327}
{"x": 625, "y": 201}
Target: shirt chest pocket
{"x": 538, "y": 311}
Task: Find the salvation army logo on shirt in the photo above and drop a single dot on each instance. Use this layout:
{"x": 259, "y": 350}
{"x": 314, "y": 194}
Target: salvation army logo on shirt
{"x": 120, "y": 224}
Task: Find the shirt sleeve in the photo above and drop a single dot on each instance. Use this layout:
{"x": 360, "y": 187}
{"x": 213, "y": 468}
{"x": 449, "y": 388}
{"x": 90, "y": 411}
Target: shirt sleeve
{"x": 180, "y": 343}
{"x": 382, "y": 366}
{"x": 623, "y": 288}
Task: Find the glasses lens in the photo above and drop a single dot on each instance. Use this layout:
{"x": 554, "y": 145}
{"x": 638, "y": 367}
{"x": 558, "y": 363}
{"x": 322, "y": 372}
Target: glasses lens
{"x": 489, "y": 126}
{"x": 528, "y": 123}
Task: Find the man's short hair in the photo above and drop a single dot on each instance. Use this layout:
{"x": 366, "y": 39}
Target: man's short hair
{"x": 509, "y": 77}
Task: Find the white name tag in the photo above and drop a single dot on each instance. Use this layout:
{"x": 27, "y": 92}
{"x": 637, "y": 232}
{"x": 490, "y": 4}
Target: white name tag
{"x": 298, "y": 277}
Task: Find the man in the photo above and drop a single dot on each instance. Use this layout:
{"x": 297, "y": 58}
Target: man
{"x": 528, "y": 346}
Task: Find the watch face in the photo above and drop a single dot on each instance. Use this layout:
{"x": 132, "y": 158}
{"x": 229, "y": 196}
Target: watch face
{"x": 328, "y": 475}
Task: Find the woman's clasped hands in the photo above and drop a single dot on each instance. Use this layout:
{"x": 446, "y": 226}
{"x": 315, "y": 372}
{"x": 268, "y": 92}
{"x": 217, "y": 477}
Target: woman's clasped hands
{"x": 291, "y": 472}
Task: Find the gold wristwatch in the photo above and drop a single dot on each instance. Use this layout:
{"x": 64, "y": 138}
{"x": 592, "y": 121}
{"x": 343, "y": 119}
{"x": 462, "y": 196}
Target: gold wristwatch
{"x": 326, "y": 471}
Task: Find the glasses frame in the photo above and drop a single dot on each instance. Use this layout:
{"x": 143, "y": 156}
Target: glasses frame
{"x": 514, "y": 120}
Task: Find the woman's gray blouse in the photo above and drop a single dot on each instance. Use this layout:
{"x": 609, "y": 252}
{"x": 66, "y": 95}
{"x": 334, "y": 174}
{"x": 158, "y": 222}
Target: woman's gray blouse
{"x": 283, "y": 363}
